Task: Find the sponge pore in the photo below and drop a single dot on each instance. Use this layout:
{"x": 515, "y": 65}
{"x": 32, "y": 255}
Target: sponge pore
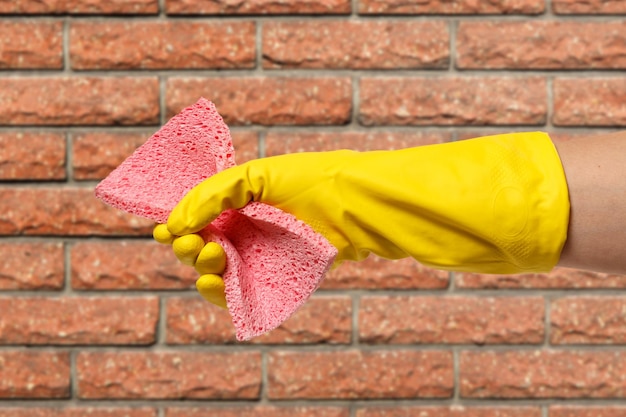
{"x": 274, "y": 261}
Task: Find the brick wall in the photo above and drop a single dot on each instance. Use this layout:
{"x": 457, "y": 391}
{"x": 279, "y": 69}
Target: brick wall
{"x": 98, "y": 320}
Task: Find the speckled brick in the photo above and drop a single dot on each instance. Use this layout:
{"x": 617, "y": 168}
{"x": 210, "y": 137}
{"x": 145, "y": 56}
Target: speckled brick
{"x": 59, "y": 211}
{"x": 259, "y": 411}
{"x": 451, "y": 7}
{"x": 32, "y": 266}
{"x": 360, "y": 375}
{"x": 588, "y": 320}
{"x": 378, "y": 273}
{"x": 558, "y": 278}
{"x": 453, "y": 101}
{"x": 78, "y": 321}
{"x": 32, "y": 156}
{"x": 162, "y": 45}
{"x": 224, "y": 7}
{"x": 79, "y": 101}
{"x": 356, "y": 44}
{"x": 589, "y": 101}
{"x": 31, "y": 44}
{"x": 543, "y": 374}
{"x": 168, "y": 375}
{"x": 267, "y": 101}
{"x": 586, "y": 411}
{"x": 79, "y": 7}
{"x": 321, "y": 320}
{"x": 461, "y": 320}
{"x": 541, "y": 45}
{"x": 452, "y": 411}
{"x": 79, "y": 412}
{"x": 96, "y": 154}
{"x": 123, "y": 265}
{"x": 34, "y": 375}
{"x": 277, "y": 143}
{"x": 589, "y": 7}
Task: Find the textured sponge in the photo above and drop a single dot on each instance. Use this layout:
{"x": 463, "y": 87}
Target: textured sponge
{"x": 274, "y": 261}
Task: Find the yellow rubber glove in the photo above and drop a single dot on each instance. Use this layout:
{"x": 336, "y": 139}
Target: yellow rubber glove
{"x": 496, "y": 204}
{"x": 208, "y": 258}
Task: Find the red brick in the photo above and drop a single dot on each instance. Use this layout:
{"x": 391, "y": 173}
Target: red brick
{"x": 246, "y": 144}
{"x": 31, "y": 45}
{"x": 360, "y": 374}
{"x": 453, "y": 101}
{"x": 32, "y": 156}
{"x": 589, "y": 7}
{"x": 277, "y": 143}
{"x": 123, "y": 265}
{"x": 79, "y": 101}
{"x": 588, "y": 320}
{"x": 589, "y": 102}
{"x": 73, "y": 321}
{"x": 543, "y": 374}
{"x": 267, "y": 101}
{"x": 34, "y": 374}
{"x": 79, "y": 7}
{"x": 259, "y": 411}
{"x": 162, "y": 45}
{"x": 532, "y": 45}
{"x": 589, "y": 411}
{"x": 168, "y": 375}
{"x": 451, "y": 7}
{"x": 96, "y": 154}
{"x": 559, "y": 278}
{"x": 320, "y": 320}
{"x": 378, "y": 273}
{"x": 467, "y": 320}
{"x": 128, "y": 266}
{"x": 78, "y": 412}
{"x": 64, "y": 211}
{"x": 356, "y": 44}
{"x": 245, "y": 7}
{"x": 452, "y": 411}
{"x": 31, "y": 266}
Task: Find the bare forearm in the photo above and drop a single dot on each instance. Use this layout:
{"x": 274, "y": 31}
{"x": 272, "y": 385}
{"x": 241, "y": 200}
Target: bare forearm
{"x": 595, "y": 168}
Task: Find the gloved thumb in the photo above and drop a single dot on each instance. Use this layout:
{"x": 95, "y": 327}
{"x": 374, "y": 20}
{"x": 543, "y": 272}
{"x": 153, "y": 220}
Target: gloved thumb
{"x": 229, "y": 189}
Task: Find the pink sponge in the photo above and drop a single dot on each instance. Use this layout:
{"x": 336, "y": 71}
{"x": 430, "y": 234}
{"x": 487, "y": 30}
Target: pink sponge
{"x": 274, "y": 261}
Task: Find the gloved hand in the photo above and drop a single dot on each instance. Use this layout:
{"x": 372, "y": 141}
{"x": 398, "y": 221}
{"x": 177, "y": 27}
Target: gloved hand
{"x": 208, "y": 258}
{"x": 497, "y": 204}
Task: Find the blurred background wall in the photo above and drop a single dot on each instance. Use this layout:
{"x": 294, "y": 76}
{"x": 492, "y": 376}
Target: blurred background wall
{"x": 97, "y": 320}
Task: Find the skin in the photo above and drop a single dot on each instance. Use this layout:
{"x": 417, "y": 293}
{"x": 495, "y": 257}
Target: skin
{"x": 595, "y": 168}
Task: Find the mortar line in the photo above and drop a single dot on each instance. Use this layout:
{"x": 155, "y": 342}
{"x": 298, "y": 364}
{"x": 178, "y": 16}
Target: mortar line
{"x": 547, "y": 327}
{"x": 262, "y": 143}
{"x": 452, "y": 30}
{"x": 456, "y": 376}
{"x": 550, "y": 102}
{"x": 259, "y": 46}
{"x": 66, "y": 46}
{"x": 356, "y": 306}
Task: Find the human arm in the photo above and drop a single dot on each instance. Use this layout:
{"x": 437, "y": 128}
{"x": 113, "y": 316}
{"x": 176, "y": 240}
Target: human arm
{"x": 595, "y": 170}
{"x": 441, "y": 208}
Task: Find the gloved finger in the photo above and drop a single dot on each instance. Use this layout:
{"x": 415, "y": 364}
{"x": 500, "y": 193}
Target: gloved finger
{"x": 228, "y": 189}
{"x": 162, "y": 235}
{"x": 211, "y": 288}
{"x": 187, "y": 248}
{"x": 211, "y": 259}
